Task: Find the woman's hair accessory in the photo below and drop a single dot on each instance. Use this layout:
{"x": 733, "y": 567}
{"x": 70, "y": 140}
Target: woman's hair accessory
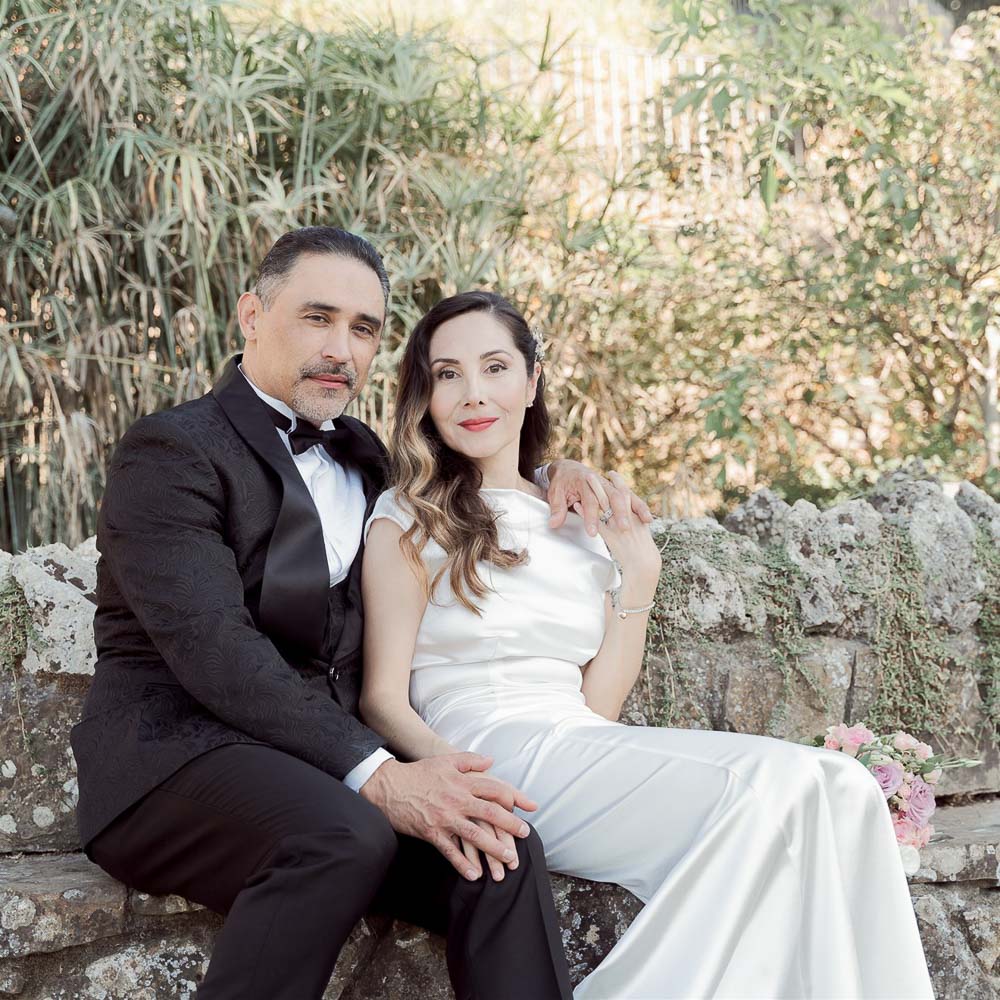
{"x": 536, "y": 336}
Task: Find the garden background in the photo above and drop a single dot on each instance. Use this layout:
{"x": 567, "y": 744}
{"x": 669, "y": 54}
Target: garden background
{"x": 761, "y": 240}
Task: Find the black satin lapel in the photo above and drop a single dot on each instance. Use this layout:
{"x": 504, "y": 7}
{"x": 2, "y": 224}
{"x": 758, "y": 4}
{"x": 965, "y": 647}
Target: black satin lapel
{"x": 373, "y": 485}
{"x": 294, "y": 599}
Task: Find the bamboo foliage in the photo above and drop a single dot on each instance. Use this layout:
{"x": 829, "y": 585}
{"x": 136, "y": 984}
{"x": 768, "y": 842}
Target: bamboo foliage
{"x": 150, "y": 152}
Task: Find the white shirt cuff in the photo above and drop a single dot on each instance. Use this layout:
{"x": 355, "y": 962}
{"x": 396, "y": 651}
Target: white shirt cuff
{"x": 359, "y": 774}
{"x": 542, "y": 476}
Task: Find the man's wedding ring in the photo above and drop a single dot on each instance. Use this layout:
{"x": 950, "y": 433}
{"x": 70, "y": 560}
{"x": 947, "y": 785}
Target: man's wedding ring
{"x": 605, "y": 515}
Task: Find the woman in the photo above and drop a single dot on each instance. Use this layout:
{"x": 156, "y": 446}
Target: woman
{"x": 767, "y": 868}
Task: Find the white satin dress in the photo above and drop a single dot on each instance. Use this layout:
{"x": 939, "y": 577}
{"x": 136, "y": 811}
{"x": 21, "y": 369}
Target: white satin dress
{"x": 768, "y": 869}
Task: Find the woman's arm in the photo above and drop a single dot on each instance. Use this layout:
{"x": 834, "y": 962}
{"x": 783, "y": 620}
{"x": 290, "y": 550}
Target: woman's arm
{"x": 394, "y": 604}
{"x": 611, "y": 674}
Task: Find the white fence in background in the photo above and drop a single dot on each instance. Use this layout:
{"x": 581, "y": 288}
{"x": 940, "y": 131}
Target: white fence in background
{"x": 613, "y": 103}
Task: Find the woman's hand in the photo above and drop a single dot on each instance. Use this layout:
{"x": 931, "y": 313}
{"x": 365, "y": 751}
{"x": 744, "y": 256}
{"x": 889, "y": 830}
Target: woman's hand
{"x": 472, "y": 852}
{"x": 635, "y": 551}
{"x": 572, "y": 482}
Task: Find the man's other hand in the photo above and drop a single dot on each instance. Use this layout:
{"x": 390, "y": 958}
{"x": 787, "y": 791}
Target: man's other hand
{"x": 441, "y": 799}
{"x": 572, "y": 482}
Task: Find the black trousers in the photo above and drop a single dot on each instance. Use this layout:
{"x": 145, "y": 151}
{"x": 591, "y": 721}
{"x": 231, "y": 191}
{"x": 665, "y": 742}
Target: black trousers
{"x": 294, "y": 858}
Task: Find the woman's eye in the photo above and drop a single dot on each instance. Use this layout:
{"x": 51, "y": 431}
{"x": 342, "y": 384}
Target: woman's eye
{"x": 497, "y": 368}
{"x": 446, "y": 371}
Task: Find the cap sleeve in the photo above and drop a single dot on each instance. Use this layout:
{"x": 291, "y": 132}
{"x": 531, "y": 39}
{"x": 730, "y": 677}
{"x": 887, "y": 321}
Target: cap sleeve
{"x": 614, "y": 577}
{"x": 389, "y": 507}
{"x": 607, "y": 570}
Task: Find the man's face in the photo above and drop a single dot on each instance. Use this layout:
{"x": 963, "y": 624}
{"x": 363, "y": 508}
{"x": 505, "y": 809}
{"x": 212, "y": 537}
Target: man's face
{"x": 313, "y": 346}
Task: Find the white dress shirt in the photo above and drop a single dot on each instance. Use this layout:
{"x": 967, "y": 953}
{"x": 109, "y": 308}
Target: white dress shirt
{"x": 339, "y": 496}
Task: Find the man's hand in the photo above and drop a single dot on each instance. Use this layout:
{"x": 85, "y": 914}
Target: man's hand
{"x": 572, "y": 482}
{"x": 442, "y": 799}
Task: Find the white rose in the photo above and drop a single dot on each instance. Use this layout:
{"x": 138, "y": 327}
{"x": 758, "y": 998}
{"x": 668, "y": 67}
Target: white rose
{"x": 910, "y": 857}
{"x": 933, "y": 777}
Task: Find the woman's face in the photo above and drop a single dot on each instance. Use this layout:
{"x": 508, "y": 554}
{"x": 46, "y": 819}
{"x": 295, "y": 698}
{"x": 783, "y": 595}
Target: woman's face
{"x": 480, "y": 386}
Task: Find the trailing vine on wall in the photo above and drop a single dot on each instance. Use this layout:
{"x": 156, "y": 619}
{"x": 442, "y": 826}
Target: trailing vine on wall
{"x": 911, "y": 653}
{"x": 16, "y": 631}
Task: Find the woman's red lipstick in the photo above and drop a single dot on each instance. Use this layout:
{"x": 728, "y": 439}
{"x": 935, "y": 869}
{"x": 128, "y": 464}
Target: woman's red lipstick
{"x": 479, "y": 424}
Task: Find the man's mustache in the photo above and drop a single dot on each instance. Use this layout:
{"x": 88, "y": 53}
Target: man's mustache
{"x": 340, "y": 371}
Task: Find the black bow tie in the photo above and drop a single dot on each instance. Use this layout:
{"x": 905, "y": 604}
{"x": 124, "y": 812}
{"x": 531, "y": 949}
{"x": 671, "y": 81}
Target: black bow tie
{"x": 343, "y": 444}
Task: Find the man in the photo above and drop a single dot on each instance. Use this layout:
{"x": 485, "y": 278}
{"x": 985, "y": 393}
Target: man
{"x": 220, "y": 752}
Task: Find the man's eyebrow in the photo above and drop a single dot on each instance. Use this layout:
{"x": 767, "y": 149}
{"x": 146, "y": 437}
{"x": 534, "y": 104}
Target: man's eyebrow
{"x": 326, "y": 307}
{"x": 485, "y": 354}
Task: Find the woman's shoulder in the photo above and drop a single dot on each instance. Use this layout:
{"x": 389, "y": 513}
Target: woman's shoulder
{"x": 391, "y": 505}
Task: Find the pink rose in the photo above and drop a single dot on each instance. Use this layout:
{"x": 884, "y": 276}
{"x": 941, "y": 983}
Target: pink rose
{"x": 850, "y": 738}
{"x": 904, "y": 829}
{"x": 890, "y": 777}
{"x": 831, "y": 744}
{"x": 904, "y": 741}
{"x": 904, "y": 789}
{"x": 921, "y": 801}
{"x": 923, "y": 750}
{"x": 908, "y": 832}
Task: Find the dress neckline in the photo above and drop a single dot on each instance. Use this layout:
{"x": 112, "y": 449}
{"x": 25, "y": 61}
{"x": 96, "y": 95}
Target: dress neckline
{"x": 539, "y": 510}
{"x": 504, "y": 489}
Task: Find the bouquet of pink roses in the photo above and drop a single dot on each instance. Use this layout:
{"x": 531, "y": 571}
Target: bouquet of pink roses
{"x": 907, "y": 771}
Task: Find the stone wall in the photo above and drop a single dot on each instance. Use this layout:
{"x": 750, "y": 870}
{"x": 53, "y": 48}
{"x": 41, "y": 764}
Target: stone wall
{"x": 785, "y": 619}
{"x": 781, "y": 620}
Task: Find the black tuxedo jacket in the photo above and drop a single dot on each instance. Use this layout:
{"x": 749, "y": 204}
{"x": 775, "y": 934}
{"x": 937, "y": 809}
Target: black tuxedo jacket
{"x": 213, "y": 621}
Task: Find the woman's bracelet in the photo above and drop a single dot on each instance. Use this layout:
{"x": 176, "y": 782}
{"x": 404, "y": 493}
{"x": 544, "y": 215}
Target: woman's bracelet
{"x": 623, "y": 613}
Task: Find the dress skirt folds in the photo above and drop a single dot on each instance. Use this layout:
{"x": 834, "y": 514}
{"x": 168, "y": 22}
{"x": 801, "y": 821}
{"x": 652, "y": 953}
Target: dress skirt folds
{"x": 768, "y": 869}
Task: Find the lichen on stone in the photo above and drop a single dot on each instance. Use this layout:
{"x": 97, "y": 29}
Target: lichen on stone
{"x": 16, "y": 631}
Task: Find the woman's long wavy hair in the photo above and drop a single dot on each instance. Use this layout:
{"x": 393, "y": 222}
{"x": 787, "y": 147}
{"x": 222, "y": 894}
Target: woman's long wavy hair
{"x": 441, "y": 485}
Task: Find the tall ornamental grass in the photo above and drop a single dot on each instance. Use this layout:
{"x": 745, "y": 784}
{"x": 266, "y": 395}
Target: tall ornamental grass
{"x": 152, "y": 151}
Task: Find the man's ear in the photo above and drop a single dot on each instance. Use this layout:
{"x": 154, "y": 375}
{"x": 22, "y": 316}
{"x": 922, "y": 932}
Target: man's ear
{"x": 248, "y": 310}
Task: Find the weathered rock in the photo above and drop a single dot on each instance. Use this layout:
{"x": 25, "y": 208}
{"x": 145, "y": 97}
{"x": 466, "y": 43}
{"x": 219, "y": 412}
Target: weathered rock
{"x": 715, "y": 571}
{"x": 723, "y": 655}
{"x": 592, "y": 917}
{"x": 59, "y": 585}
{"x": 738, "y": 686}
{"x": 68, "y": 930}
{"x": 147, "y": 905}
{"x": 40, "y": 701}
{"x": 943, "y": 538}
{"x": 149, "y": 964}
{"x": 965, "y": 846}
{"x": 981, "y": 508}
{"x": 715, "y": 660}
{"x": 49, "y": 903}
{"x": 410, "y": 962}
{"x": 963, "y": 729}
{"x": 162, "y": 951}
{"x": 761, "y": 518}
{"x": 960, "y": 930}
{"x": 828, "y": 548}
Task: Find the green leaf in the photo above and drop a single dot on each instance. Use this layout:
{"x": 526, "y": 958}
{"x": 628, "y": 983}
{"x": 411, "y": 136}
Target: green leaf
{"x": 720, "y": 104}
{"x": 768, "y": 184}
{"x": 690, "y": 99}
